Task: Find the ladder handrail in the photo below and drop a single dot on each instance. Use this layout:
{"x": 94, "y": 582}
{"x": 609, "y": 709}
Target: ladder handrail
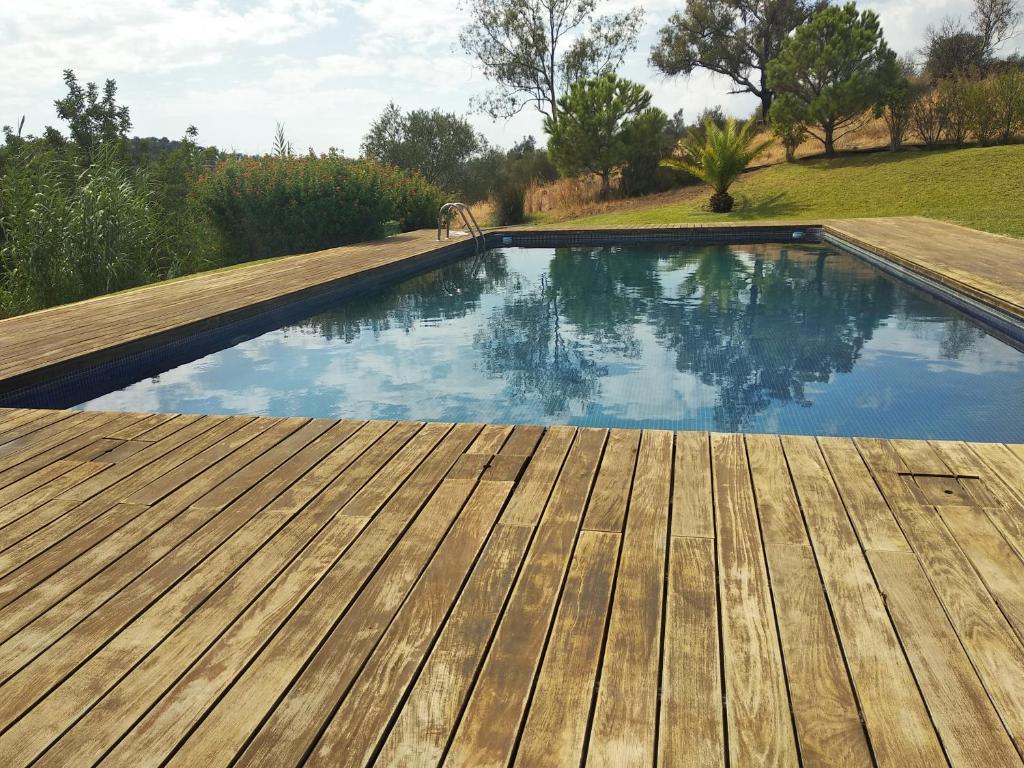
{"x": 444, "y": 218}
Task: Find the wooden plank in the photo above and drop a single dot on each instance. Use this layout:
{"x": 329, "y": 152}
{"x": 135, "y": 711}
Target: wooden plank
{"x": 607, "y": 509}
{"x": 228, "y": 726}
{"x": 873, "y": 520}
{"x": 1001, "y": 569}
{"x": 962, "y": 712}
{"x": 53, "y": 480}
{"x": 66, "y": 553}
{"x": 133, "y": 619}
{"x": 31, "y": 422}
{"x": 239, "y": 486}
{"x": 889, "y": 472}
{"x": 691, "y": 731}
{"x": 431, "y": 710}
{"x": 495, "y": 710}
{"x": 995, "y": 652}
{"x": 31, "y": 521}
{"x": 526, "y": 506}
{"x": 559, "y": 714}
{"x": 29, "y": 733}
{"x": 375, "y": 494}
{"x": 490, "y": 439}
{"x": 71, "y": 517}
{"x": 777, "y": 507}
{"x": 433, "y": 706}
{"x": 292, "y": 728}
{"x": 692, "y": 509}
{"x": 140, "y": 428}
{"x": 523, "y": 440}
{"x": 898, "y": 724}
{"x": 136, "y": 692}
{"x": 119, "y": 481}
{"x": 228, "y": 439}
{"x": 160, "y": 564}
{"x": 142, "y": 527}
{"x": 1006, "y": 465}
{"x": 626, "y": 710}
{"x": 362, "y": 719}
{"x": 828, "y": 724}
{"x": 759, "y": 723}
{"x": 26, "y": 458}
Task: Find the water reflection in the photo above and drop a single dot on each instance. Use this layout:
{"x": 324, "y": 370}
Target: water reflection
{"x": 801, "y": 339}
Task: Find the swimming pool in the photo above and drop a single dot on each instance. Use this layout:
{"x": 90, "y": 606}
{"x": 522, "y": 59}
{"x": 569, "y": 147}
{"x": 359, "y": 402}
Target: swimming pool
{"x": 798, "y": 339}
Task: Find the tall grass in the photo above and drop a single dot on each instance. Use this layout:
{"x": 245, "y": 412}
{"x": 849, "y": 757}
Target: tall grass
{"x": 71, "y": 232}
{"x": 272, "y": 206}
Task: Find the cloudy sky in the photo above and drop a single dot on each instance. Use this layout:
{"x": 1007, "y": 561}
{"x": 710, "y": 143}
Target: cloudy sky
{"x": 325, "y": 68}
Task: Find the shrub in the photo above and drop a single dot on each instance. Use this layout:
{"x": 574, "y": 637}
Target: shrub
{"x": 646, "y": 144}
{"x": 952, "y": 94}
{"x": 509, "y": 202}
{"x": 720, "y": 158}
{"x": 981, "y": 116}
{"x": 72, "y": 232}
{"x": 1007, "y": 99}
{"x": 273, "y": 206}
{"x": 928, "y": 117}
{"x": 896, "y": 98}
{"x": 789, "y": 128}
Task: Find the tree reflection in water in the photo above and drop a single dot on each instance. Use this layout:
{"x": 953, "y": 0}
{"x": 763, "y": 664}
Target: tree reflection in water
{"x": 757, "y": 323}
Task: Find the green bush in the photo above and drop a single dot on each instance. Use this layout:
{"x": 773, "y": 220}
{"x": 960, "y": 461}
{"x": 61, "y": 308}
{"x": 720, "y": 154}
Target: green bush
{"x": 509, "y": 202}
{"x": 1008, "y": 103}
{"x": 71, "y": 232}
{"x": 981, "y": 116}
{"x": 273, "y": 206}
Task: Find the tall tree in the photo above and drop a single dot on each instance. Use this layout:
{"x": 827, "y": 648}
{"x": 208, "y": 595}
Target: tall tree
{"x": 92, "y": 119}
{"x": 437, "y": 144}
{"x": 995, "y": 21}
{"x": 596, "y": 118}
{"x": 951, "y": 48}
{"x": 831, "y": 71}
{"x": 534, "y": 50}
{"x": 734, "y": 38}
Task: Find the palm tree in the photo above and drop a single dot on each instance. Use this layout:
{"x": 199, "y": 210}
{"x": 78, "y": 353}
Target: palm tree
{"x": 718, "y": 158}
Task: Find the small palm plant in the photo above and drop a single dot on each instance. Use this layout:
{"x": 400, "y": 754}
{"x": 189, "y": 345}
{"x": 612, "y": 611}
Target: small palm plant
{"x": 718, "y": 158}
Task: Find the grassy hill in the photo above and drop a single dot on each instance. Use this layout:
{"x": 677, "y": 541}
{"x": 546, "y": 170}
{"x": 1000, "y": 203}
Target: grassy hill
{"x": 980, "y": 187}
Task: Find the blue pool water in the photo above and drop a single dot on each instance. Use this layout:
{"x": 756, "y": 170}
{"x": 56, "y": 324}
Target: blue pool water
{"x": 800, "y": 339}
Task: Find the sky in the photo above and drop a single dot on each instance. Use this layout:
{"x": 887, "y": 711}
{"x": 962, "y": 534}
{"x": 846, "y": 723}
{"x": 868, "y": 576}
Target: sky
{"x": 323, "y": 68}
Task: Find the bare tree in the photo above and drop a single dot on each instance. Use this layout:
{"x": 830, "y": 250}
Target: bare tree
{"x": 995, "y": 21}
{"x": 519, "y": 45}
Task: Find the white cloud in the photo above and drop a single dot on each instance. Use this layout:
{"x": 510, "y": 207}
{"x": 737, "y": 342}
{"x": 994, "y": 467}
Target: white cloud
{"x": 324, "y": 67}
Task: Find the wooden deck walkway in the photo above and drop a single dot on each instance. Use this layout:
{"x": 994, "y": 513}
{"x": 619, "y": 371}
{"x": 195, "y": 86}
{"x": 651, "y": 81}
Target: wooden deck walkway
{"x": 186, "y": 590}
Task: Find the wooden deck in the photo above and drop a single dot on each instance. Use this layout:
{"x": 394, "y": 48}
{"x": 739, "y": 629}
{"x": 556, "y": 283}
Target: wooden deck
{"x": 185, "y": 590}
{"x": 986, "y": 267}
{"x": 37, "y": 346}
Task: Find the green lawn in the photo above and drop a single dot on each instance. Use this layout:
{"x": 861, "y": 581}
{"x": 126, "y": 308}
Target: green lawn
{"x": 981, "y": 188}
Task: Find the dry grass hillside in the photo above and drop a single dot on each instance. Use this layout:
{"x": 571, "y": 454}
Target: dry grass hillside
{"x": 572, "y": 198}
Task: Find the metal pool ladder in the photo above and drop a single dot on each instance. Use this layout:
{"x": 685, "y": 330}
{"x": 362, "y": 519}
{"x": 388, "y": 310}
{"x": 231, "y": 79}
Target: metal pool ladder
{"x": 444, "y": 220}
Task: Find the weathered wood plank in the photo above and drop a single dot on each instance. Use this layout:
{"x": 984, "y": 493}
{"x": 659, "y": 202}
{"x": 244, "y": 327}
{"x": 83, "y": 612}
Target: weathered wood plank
{"x": 692, "y": 729}
{"x": 969, "y": 726}
{"x": 759, "y": 722}
{"x": 692, "y": 509}
{"x": 626, "y": 711}
{"x": 497, "y": 705}
{"x": 898, "y": 725}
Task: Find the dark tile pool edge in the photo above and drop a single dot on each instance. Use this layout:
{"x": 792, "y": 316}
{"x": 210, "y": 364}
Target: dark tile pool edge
{"x": 696, "y": 235}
